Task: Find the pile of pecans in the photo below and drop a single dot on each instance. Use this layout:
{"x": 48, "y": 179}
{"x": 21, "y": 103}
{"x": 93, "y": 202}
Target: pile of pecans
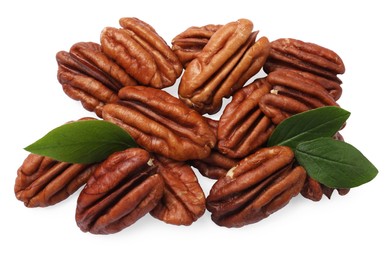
{"x": 122, "y": 80}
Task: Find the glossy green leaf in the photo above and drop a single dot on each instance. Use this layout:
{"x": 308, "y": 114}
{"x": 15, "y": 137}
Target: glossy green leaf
{"x": 334, "y": 163}
{"x": 83, "y": 142}
{"x": 320, "y": 122}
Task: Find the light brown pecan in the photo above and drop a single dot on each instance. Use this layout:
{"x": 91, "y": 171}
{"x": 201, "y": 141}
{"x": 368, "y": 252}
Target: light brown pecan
{"x": 231, "y": 56}
{"x": 305, "y": 56}
{"x": 121, "y": 190}
{"x": 189, "y": 43}
{"x": 141, "y": 52}
{"x": 161, "y": 123}
{"x": 183, "y": 201}
{"x": 243, "y": 127}
{"x": 292, "y": 93}
{"x": 42, "y": 181}
{"x": 259, "y": 185}
{"x": 90, "y": 76}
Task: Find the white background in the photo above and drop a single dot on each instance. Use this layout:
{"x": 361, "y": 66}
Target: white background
{"x": 32, "y": 103}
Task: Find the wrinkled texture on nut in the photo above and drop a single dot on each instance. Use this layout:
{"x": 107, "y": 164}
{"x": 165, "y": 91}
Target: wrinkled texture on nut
{"x": 259, "y": 185}
{"x": 141, "y": 52}
{"x": 189, "y": 43}
{"x": 183, "y": 201}
{"x": 243, "y": 127}
{"x": 90, "y": 76}
{"x": 305, "y": 56}
{"x": 216, "y": 164}
{"x": 120, "y": 191}
{"x": 161, "y": 123}
{"x": 292, "y": 93}
{"x": 229, "y": 59}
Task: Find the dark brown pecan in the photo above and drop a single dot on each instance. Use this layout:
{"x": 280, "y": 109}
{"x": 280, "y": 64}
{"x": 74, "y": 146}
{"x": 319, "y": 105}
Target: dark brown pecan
{"x": 42, "y": 181}
{"x": 121, "y": 190}
{"x": 292, "y": 93}
{"x": 243, "y": 127}
{"x": 305, "y": 56}
{"x": 183, "y": 201}
{"x": 259, "y": 185}
{"x": 90, "y": 76}
{"x": 161, "y": 123}
{"x": 216, "y": 164}
{"x": 189, "y": 43}
{"x": 227, "y": 61}
{"x": 141, "y": 52}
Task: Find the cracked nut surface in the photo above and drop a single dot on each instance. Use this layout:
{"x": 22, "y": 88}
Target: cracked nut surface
{"x": 231, "y": 56}
{"x": 259, "y": 185}
{"x": 183, "y": 201}
{"x": 243, "y": 127}
{"x": 121, "y": 190}
{"x": 141, "y": 52}
{"x": 89, "y": 76}
{"x": 161, "y": 123}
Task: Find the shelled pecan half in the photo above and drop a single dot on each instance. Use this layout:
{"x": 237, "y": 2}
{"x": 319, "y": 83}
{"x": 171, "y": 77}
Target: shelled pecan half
{"x": 161, "y": 123}
{"x": 90, "y": 76}
{"x": 292, "y": 93}
{"x": 259, "y": 185}
{"x": 190, "y": 42}
{"x": 243, "y": 127}
{"x": 304, "y": 56}
{"x": 231, "y": 56}
{"x": 141, "y": 52}
{"x": 121, "y": 190}
{"x": 183, "y": 201}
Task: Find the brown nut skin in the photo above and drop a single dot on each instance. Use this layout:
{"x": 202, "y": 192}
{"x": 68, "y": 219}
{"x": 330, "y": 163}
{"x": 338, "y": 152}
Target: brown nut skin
{"x": 304, "y": 56}
{"x": 42, "y": 181}
{"x": 231, "y": 56}
{"x": 88, "y": 75}
{"x": 121, "y": 190}
{"x": 141, "y": 52}
{"x": 161, "y": 123}
{"x": 259, "y": 185}
{"x": 189, "y": 43}
{"x": 292, "y": 93}
{"x": 183, "y": 201}
{"x": 243, "y": 127}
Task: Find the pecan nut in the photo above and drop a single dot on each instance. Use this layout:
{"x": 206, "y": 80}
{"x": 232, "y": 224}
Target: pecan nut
{"x": 42, "y": 181}
{"x": 121, "y": 190}
{"x": 161, "y": 123}
{"x": 189, "y": 43}
{"x": 243, "y": 127}
{"x": 141, "y": 52}
{"x": 304, "y": 56}
{"x": 227, "y": 61}
{"x": 90, "y": 76}
{"x": 259, "y": 185}
{"x": 183, "y": 201}
{"x": 292, "y": 93}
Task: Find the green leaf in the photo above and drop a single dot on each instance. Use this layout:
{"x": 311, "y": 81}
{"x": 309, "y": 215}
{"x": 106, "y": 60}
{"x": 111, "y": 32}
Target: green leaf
{"x": 315, "y": 123}
{"x": 335, "y": 164}
{"x": 83, "y": 142}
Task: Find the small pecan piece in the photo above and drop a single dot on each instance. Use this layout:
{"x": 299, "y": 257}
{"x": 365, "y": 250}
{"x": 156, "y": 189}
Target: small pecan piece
{"x": 183, "y": 201}
{"x": 259, "y": 185}
{"x": 90, "y": 76}
{"x": 189, "y": 43}
{"x": 143, "y": 54}
{"x": 229, "y": 59}
{"x": 120, "y": 191}
{"x": 42, "y": 181}
{"x": 305, "y": 56}
{"x": 243, "y": 127}
{"x": 161, "y": 123}
{"x": 292, "y": 93}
